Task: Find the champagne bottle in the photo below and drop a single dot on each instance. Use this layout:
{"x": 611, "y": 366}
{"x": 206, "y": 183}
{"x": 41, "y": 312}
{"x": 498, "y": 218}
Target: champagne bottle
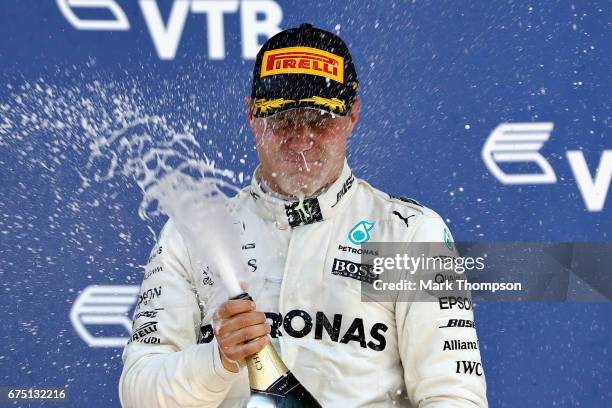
{"x": 271, "y": 382}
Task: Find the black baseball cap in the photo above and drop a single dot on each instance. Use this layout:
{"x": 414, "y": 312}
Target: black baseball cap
{"x": 303, "y": 67}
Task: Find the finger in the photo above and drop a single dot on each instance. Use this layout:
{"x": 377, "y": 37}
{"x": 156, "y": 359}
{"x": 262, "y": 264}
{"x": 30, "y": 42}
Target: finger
{"x": 227, "y": 326}
{"x": 239, "y": 353}
{"x": 234, "y": 307}
{"x": 244, "y": 335}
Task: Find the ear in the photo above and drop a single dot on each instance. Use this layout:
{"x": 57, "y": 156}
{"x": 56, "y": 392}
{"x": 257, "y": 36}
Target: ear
{"x": 354, "y": 114}
{"x": 248, "y": 108}
{"x": 249, "y": 113}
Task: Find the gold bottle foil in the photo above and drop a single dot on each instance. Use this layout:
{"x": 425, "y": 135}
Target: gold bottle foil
{"x": 265, "y": 368}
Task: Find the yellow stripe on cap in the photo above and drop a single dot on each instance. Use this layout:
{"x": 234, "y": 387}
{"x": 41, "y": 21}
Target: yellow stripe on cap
{"x": 263, "y": 105}
{"x": 333, "y": 103}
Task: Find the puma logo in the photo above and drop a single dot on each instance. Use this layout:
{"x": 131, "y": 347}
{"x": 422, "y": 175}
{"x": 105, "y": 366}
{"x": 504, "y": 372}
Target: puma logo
{"x": 405, "y": 219}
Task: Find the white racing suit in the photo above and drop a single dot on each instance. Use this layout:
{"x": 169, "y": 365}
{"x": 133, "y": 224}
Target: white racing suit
{"x": 346, "y": 352}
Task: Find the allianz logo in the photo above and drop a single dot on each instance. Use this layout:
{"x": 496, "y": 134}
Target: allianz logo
{"x": 260, "y": 18}
{"x": 521, "y": 142}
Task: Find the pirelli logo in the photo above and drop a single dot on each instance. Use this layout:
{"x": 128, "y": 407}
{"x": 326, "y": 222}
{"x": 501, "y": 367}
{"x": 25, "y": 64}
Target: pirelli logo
{"x": 303, "y": 60}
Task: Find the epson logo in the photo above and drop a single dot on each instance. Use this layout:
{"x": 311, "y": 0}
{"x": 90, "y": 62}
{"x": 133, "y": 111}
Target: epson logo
{"x": 261, "y": 18}
{"x": 450, "y": 302}
{"x": 521, "y": 142}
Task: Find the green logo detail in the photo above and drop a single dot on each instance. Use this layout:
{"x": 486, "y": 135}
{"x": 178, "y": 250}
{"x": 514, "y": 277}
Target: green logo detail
{"x": 448, "y": 240}
{"x": 360, "y": 233}
{"x": 304, "y": 213}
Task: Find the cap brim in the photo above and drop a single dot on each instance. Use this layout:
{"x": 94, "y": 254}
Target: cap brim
{"x": 267, "y": 109}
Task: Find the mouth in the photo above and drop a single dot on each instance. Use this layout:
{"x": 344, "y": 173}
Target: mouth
{"x": 301, "y": 159}
{"x": 301, "y": 166}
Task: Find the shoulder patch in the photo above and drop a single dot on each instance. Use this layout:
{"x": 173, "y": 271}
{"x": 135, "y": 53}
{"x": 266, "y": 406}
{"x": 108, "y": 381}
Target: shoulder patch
{"x": 406, "y": 200}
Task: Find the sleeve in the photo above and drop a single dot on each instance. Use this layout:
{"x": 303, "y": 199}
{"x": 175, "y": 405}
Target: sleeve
{"x": 164, "y": 366}
{"x": 437, "y": 338}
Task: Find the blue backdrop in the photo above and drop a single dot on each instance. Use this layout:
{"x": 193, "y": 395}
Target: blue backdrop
{"x": 437, "y": 78}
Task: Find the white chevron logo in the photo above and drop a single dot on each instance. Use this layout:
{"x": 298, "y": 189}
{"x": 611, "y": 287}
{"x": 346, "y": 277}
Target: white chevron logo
{"x": 104, "y": 305}
{"x": 519, "y": 142}
{"x": 119, "y": 22}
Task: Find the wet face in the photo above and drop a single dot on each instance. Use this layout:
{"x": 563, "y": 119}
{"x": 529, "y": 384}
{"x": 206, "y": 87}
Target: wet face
{"x": 302, "y": 150}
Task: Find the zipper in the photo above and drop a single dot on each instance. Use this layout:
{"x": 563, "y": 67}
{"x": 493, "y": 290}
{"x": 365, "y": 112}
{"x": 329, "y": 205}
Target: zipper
{"x": 281, "y": 296}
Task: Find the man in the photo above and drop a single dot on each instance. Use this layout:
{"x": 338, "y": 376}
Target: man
{"x": 304, "y": 217}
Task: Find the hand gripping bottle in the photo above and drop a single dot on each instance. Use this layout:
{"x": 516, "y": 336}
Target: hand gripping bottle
{"x": 271, "y": 382}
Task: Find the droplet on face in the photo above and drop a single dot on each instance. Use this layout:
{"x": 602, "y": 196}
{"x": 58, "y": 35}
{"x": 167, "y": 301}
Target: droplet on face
{"x": 305, "y": 162}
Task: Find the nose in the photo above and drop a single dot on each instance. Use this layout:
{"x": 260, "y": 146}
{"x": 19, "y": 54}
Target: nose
{"x": 300, "y": 139}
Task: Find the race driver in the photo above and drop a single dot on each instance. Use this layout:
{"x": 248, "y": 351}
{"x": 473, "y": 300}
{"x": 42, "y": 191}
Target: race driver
{"x": 304, "y": 218}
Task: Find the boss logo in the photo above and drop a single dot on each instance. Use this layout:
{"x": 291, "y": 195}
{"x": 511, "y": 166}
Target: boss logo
{"x": 459, "y": 323}
{"x": 361, "y": 272}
